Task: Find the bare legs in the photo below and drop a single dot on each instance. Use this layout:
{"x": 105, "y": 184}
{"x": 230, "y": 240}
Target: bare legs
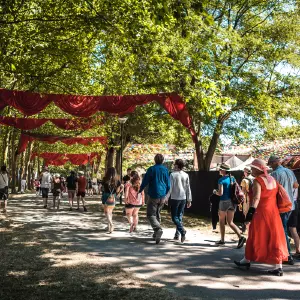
{"x": 223, "y": 215}
{"x": 295, "y": 236}
{"x": 108, "y": 213}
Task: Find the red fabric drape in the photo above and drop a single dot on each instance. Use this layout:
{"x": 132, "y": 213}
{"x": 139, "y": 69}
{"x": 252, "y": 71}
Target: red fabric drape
{"x": 85, "y": 106}
{"x": 58, "y": 159}
{"x": 51, "y": 139}
{"x": 30, "y": 124}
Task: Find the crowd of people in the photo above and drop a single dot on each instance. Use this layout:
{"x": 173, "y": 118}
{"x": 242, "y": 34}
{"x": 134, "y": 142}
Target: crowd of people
{"x": 267, "y": 226}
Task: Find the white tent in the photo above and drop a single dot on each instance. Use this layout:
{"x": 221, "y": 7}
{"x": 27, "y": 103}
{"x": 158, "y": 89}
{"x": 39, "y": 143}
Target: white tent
{"x": 233, "y": 162}
{"x": 243, "y": 164}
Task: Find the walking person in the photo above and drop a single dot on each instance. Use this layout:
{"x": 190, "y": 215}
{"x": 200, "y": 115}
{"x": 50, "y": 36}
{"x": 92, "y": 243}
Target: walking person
{"x": 110, "y": 188}
{"x": 133, "y": 201}
{"x": 292, "y": 224}
{"x": 226, "y": 207}
{"x": 288, "y": 180}
{"x": 4, "y": 186}
{"x": 45, "y": 185}
{"x": 246, "y": 186}
{"x": 80, "y": 188}
{"x": 71, "y": 187}
{"x": 56, "y": 190}
{"x": 90, "y": 187}
{"x": 180, "y": 195}
{"x": 266, "y": 239}
{"x": 23, "y": 185}
{"x": 37, "y": 186}
{"x": 157, "y": 178}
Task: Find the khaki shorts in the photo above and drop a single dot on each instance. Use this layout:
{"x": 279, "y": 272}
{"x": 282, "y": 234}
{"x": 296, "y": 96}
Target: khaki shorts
{"x": 226, "y": 205}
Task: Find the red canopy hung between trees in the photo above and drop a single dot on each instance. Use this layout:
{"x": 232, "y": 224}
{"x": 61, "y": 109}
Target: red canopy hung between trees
{"x": 30, "y": 124}
{"x": 25, "y": 138}
{"x": 59, "y": 159}
{"x": 85, "y": 106}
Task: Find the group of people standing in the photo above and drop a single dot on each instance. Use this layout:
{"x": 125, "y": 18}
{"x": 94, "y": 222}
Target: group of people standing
{"x": 268, "y": 241}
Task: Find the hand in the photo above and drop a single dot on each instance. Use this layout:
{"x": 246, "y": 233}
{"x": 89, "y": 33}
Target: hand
{"x": 166, "y": 202}
{"x": 250, "y": 214}
{"x": 189, "y": 204}
{"x": 215, "y": 192}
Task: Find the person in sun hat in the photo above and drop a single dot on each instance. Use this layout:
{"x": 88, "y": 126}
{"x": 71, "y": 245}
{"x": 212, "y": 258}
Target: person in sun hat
{"x": 80, "y": 187}
{"x": 288, "y": 180}
{"x": 266, "y": 239}
{"x": 226, "y": 207}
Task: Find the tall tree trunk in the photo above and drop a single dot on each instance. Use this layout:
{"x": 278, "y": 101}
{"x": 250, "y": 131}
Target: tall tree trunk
{"x": 110, "y": 157}
{"x": 118, "y": 161}
{"x": 13, "y": 161}
{"x": 27, "y": 164}
{"x": 199, "y": 153}
{"x": 6, "y": 140}
{"x": 213, "y": 145}
{"x": 21, "y": 169}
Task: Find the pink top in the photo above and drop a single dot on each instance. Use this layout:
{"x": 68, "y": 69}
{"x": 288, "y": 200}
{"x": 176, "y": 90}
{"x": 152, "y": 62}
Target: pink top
{"x": 132, "y": 196}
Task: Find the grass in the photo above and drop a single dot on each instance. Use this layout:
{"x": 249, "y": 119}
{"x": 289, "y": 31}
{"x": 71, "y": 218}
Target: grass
{"x": 34, "y": 267}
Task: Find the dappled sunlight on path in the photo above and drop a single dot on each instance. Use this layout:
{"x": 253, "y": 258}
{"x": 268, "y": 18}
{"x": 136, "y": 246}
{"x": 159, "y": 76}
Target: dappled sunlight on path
{"x": 196, "y": 269}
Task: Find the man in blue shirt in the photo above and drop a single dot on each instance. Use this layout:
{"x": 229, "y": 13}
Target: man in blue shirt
{"x": 157, "y": 177}
{"x": 288, "y": 180}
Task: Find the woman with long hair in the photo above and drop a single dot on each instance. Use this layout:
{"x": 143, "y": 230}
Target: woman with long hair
{"x": 133, "y": 201}
{"x": 110, "y": 188}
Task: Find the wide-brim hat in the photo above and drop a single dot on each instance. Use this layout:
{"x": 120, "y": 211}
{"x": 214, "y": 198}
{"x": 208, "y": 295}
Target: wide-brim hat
{"x": 224, "y": 167}
{"x": 80, "y": 172}
{"x": 57, "y": 175}
{"x": 259, "y": 164}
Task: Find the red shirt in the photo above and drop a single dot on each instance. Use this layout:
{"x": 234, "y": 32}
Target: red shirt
{"x": 81, "y": 184}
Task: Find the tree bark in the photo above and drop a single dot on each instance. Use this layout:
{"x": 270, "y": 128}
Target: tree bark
{"x": 118, "y": 161}
{"x": 199, "y": 153}
{"x": 22, "y": 170}
{"x": 6, "y": 140}
{"x": 110, "y": 157}
{"x": 13, "y": 162}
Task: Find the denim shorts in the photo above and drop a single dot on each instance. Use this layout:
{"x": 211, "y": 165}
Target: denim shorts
{"x": 226, "y": 205}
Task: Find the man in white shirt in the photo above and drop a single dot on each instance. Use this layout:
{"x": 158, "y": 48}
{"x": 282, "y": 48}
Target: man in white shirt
{"x": 45, "y": 185}
{"x": 180, "y": 195}
{"x": 23, "y": 185}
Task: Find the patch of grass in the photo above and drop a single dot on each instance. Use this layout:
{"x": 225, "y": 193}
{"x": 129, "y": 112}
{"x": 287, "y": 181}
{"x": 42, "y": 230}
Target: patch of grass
{"x": 33, "y": 267}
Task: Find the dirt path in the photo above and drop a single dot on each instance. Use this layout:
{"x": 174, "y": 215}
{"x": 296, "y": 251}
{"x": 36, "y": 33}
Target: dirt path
{"x": 77, "y": 243}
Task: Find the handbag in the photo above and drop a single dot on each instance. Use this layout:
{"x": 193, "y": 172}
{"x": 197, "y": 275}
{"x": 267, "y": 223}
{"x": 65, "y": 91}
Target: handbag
{"x": 111, "y": 200}
{"x": 284, "y": 203}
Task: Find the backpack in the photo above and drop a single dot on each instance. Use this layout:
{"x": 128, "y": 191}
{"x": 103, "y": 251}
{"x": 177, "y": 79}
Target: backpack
{"x": 237, "y": 195}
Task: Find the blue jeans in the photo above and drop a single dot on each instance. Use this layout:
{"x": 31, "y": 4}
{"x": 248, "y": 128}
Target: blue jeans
{"x": 284, "y": 218}
{"x": 177, "y": 210}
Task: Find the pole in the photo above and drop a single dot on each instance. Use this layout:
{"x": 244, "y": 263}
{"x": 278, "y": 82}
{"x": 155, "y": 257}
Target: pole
{"x": 121, "y": 154}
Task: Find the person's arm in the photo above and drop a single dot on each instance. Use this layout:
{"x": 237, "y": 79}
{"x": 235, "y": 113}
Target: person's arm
{"x": 143, "y": 197}
{"x": 255, "y": 201}
{"x": 170, "y": 190}
{"x": 219, "y": 192}
{"x": 188, "y": 193}
{"x": 168, "y": 181}
{"x": 126, "y": 193}
{"x": 145, "y": 181}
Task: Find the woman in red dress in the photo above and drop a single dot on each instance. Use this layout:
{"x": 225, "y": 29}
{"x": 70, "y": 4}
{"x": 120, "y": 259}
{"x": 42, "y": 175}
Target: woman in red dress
{"x": 266, "y": 240}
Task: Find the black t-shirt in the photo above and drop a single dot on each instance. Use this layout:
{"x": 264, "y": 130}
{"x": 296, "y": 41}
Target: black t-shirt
{"x": 71, "y": 182}
{"x": 110, "y": 189}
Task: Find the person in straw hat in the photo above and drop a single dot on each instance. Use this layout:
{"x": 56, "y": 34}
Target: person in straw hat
{"x": 226, "y": 207}
{"x": 266, "y": 239}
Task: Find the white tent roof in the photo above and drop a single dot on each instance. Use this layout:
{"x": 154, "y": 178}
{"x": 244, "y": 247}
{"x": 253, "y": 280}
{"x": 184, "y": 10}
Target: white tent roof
{"x": 233, "y": 162}
{"x": 243, "y": 164}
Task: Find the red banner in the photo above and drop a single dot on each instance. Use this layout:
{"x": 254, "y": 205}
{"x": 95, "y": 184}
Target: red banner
{"x": 85, "y": 106}
{"x": 25, "y": 138}
{"x": 30, "y": 124}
